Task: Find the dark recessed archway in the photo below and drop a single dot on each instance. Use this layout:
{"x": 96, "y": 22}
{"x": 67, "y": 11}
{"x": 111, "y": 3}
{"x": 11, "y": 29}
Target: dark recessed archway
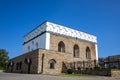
{"x": 76, "y": 51}
{"x": 61, "y": 46}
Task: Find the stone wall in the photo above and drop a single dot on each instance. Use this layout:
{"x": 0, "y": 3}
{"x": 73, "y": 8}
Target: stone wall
{"x": 42, "y": 66}
{"x": 104, "y": 72}
{"x": 115, "y": 73}
{"x": 69, "y": 44}
{"x": 24, "y": 67}
{"x": 59, "y": 57}
{"x": 36, "y": 62}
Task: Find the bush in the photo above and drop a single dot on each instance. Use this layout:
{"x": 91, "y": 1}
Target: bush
{"x": 69, "y": 71}
{"x": 1, "y": 68}
{"x": 79, "y": 68}
{"x": 97, "y": 68}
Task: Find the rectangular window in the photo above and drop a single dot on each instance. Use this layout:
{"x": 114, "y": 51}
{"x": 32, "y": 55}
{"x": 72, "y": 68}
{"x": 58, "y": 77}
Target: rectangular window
{"x": 51, "y": 65}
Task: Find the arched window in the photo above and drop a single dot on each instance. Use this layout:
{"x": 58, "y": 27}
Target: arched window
{"x": 36, "y": 45}
{"x": 52, "y": 63}
{"x": 32, "y": 42}
{"x": 61, "y": 47}
{"x": 76, "y": 51}
{"x": 32, "y": 45}
{"x": 28, "y": 48}
{"x": 88, "y": 53}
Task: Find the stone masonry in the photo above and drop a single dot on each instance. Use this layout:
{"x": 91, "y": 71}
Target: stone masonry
{"x": 67, "y": 56}
{"x": 51, "y": 47}
{"x": 69, "y": 43}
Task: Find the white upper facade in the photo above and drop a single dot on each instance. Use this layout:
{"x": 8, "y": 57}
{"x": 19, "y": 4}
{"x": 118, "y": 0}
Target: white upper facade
{"x": 40, "y": 36}
{"x": 59, "y": 29}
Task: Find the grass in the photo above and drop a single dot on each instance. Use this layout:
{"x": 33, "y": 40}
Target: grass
{"x": 1, "y": 68}
{"x": 75, "y": 75}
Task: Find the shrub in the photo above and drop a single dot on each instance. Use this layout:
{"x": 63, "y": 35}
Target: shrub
{"x": 97, "y": 68}
{"x": 79, "y": 68}
{"x": 69, "y": 71}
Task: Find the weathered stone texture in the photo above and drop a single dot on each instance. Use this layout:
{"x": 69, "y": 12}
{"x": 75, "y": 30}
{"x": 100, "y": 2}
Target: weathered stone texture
{"x": 24, "y": 68}
{"x": 69, "y": 44}
{"x": 59, "y": 57}
{"x": 115, "y": 73}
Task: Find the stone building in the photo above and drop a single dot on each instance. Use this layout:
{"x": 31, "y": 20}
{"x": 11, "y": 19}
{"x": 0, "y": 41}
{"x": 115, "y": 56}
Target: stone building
{"x": 50, "y": 48}
{"x": 111, "y": 62}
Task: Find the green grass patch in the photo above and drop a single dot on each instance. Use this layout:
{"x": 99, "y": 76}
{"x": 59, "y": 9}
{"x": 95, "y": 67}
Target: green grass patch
{"x": 75, "y": 74}
{"x": 1, "y": 68}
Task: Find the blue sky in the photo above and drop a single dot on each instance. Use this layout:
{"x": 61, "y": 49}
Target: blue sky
{"x": 98, "y": 17}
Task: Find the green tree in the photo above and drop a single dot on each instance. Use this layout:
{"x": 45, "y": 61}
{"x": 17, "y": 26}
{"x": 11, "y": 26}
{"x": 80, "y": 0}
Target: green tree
{"x": 3, "y": 58}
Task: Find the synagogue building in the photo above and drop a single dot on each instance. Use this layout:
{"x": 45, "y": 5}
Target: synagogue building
{"x": 51, "y": 48}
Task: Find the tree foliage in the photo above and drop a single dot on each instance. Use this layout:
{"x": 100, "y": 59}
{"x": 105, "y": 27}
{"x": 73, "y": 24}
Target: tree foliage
{"x": 3, "y": 58}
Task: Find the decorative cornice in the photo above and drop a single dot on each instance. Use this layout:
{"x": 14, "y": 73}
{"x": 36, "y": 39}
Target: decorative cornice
{"x": 59, "y": 29}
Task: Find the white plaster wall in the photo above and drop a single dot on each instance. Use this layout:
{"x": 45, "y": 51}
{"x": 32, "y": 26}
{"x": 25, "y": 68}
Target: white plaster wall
{"x": 43, "y": 42}
{"x": 47, "y": 44}
{"x": 96, "y": 48}
{"x": 63, "y": 30}
{"x": 35, "y": 32}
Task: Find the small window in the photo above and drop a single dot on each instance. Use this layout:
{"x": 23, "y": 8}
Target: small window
{"x": 28, "y": 48}
{"x": 36, "y": 45}
{"x": 32, "y": 42}
{"x": 18, "y": 65}
{"x": 61, "y": 46}
{"x": 88, "y": 53}
{"x": 52, "y": 63}
{"x": 52, "y": 66}
{"x": 32, "y": 45}
{"x": 76, "y": 51}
